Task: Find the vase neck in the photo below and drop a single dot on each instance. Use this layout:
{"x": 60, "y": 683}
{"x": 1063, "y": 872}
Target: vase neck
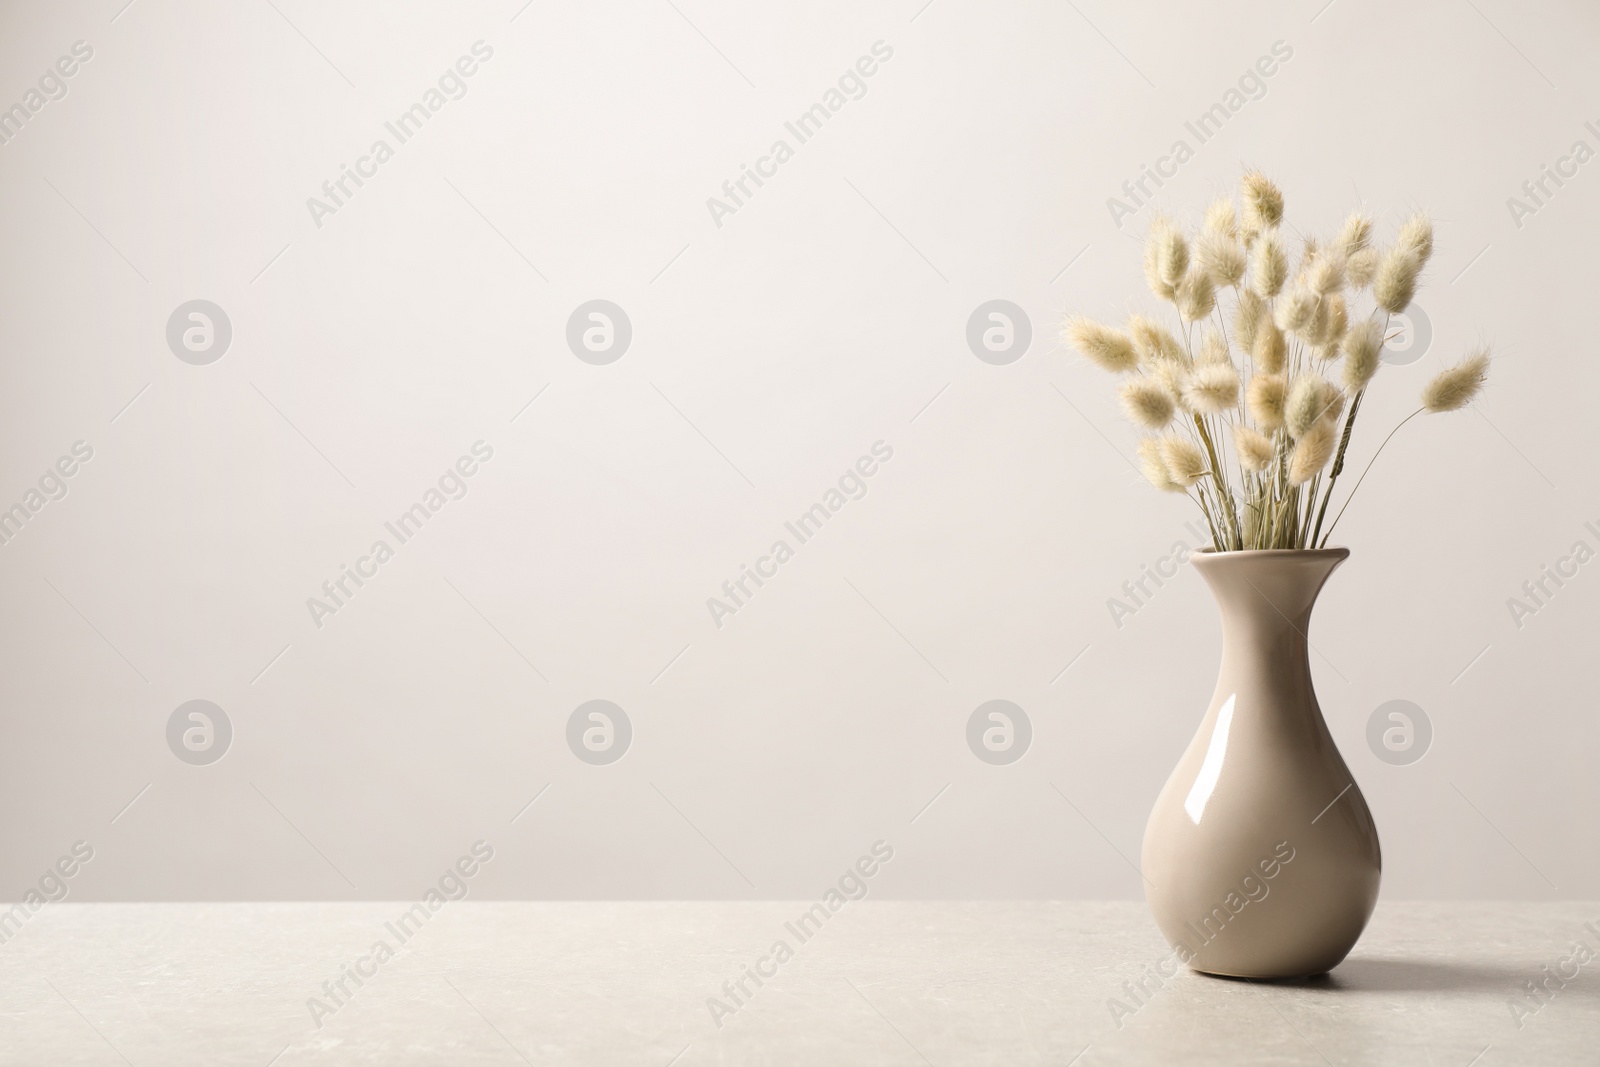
{"x": 1266, "y": 598}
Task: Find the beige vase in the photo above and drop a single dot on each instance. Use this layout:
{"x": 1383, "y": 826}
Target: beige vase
{"x": 1261, "y": 859}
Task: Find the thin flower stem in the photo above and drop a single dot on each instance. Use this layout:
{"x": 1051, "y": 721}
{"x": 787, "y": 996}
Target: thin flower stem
{"x": 1311, "y": 500}
{"x": 1363, "y": 477}
{"x": 1225, "y": 495}
{"x": 1225, "y": 502}
{"x": 1338, "y": 463}
{"x": 1205, "y": 509}
{"x": 1222, "y": 321}
{"x": 1205, "y": 512}
{"x": 1344, "y": 441}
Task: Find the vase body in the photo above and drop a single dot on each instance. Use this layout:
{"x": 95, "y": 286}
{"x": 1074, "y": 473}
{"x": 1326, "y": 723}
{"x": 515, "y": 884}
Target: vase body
{"x": 1261, "y": 858}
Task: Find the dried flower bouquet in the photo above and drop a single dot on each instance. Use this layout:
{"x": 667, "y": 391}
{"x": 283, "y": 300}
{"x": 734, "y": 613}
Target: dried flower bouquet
{"x": 1304, "y": 362}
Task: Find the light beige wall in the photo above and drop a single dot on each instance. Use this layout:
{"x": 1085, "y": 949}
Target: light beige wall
{"x": 768, "y": 354}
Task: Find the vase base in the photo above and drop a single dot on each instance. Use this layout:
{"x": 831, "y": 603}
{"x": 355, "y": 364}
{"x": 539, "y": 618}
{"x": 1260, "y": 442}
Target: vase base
{"x": 1309, "y": 977}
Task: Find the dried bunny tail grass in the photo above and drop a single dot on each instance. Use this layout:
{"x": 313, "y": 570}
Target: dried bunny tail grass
{"x": 1325, "y": 273}
{"x": 1263, "y": 202}
{"x": 1154, "y": 467}
{"x": 1340, "y": 322}
{"x": 1363, "y": 346}
{"x": 1354, "y": 235}
{"x": 1312, "y": 399}
{"x": 1174, "y": 256}
{"x": 1308, "y": 252}
{"x": 1184, "y": 461}
{"x": 1296, "y": 310}
{"x": 1396, "y": 281}
{"x": 1270, "y": 351}
{"x": 1333, "y": 401}
{"x": 1174, "y": 377}
{"x": 1456, "y": 387}
{"x": 1107, "y": 348}
{"x": 1269, "y": 265}
{"x": 1152, "y": 273}
{"x": 1312, "y": 452}
{"x": 1332, "y": 326}
{"x": 1213, "y": 388}
{"x": 1265, "y": 399}
{"x": 1416, "y": 237}
{"x": 1303, "y": 409}
{"x": 1154, "y": 341}
{"x": 1221, "y": 217}
{"x": 1166, "y": 258}
{"x": 1360, "y": 267}
{"x": 1221, "y": 257}
{"x": 1147, "y": 402}
{"x": 1197, "y": 296}
{"x": 1213, "y": 349}
{"x": 1317, "y": 325}
{"x": 1160, "y": 245}
{"x": 1255, "y": 449}
{"x": 1144, "y": 333}
{"x": 1247, "y": 318}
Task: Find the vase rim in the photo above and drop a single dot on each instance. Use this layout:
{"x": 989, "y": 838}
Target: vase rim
{"x": 1336, "y": 552}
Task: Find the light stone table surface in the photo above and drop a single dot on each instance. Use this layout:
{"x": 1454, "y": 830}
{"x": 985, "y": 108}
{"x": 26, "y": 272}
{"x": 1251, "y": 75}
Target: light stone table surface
{"x": 882, "y": 982}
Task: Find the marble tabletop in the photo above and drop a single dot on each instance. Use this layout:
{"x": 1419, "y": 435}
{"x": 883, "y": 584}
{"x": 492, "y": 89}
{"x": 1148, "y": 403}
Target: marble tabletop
{"x": 686, "y": 984}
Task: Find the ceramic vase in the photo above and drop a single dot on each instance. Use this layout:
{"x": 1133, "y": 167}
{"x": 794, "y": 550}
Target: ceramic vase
{"x": 1261, "y": 858}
